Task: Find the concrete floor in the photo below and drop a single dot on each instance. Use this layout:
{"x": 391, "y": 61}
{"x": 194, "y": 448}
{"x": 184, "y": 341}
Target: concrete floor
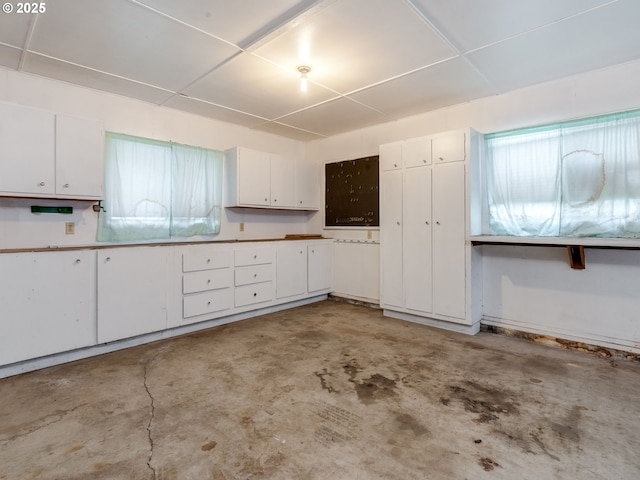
{"x": 325, "y": 391}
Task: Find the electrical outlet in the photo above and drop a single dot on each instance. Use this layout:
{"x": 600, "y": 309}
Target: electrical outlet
{"x": 69, "y": 228}
{"x": 242, "y": 226}
{"x": 368, "y": 234}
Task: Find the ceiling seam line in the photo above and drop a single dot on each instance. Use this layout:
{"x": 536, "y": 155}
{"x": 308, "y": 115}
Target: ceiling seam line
{"x": 85, "y": 67}
{"x": 27, "y": 41}
{"x": 540, "y": 27}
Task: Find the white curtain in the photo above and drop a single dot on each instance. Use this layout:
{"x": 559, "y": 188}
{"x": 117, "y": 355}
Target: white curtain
{"x": 158, "y": 190}
{"x": 573, "y": 179}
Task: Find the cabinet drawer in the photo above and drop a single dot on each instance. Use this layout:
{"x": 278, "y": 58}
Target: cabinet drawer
{"x": 449, "y": 147}
{"x": 253, "y": 274}
{"x": 206, "y": 280}
{"x": 255, "y": 293}
{"x": 253, "y": 256}
{"x": 207, "y": 302}
{"x": 205, "y": 259}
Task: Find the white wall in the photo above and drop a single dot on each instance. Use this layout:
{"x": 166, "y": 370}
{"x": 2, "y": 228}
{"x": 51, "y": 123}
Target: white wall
{"x": 19, "y": 228}
{"x": 532, "y": 289}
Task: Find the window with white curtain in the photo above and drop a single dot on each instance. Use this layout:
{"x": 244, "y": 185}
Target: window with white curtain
{"x": 571, "y": 179}
{"x": 159, "y": 190}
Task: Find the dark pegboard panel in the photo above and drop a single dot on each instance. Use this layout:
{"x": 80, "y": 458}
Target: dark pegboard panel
{"x": 351, "y": 193}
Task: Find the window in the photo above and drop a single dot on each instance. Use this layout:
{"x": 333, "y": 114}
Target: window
{"x": 573, "y": 179}
{"x": 159, "y": 190}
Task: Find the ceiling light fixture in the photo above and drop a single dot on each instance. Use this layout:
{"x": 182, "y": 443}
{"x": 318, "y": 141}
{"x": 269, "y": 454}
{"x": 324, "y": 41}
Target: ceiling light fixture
{"x": 304, "y": 70}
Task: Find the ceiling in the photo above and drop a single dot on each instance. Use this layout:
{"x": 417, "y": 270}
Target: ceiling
{"x": 372, "y": 61}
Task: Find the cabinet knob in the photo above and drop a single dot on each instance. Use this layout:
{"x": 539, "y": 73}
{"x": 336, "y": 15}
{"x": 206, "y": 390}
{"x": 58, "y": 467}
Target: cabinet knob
{"x": 427, "y": 222}
{"x": 395, "y": 164}
{"x": 209, "y": 303}
{"x": 255, "y": 256}
{"x": 208, "y": 280}
{"x": 66, "y": 185}
{"x": 77, "y": 260}
{"x": 300, "y": 202}
{"x": 255, "y": 294}
{"x": 313, "y": 251}
{"x": 208, "y": 260}
{"x": 441, "y": 159}
{"x": 41, "y": 184}
{"x": 275, "y": 200}
{"x": 437, "y": 223}
{"x": 266, "y": 199}
{"x": 397, "y": 223}
{"x": 108, "y": 259}
{"x": 424, "y": 160}
{"x": 255, "y": 275}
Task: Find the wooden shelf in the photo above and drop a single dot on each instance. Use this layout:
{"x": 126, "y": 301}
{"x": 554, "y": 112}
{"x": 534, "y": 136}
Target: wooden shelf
{"x": 587, "y": 242}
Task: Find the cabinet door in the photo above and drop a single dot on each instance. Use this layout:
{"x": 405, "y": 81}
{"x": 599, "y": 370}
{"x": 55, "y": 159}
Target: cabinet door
{"x": 291, "y": 270}
{"x": 253, "y": 177}
{"x": 417, "y": 240}
{"x": 79, "y": 157}
{"x": 449, "y": 240}
{"x": 307, "y": 185}
{"x": 27, "y": 152}
{"x": 133, "y": 291}
{"x": 283, "y": 180}
{"x": 391, "y": 156}
{"x": 320, "y": 266}
{"x": 391, "y": 239}
{"x": 449, "y": 147}
{"x": 48, "y": 303}
{"x": 417, "y": 152}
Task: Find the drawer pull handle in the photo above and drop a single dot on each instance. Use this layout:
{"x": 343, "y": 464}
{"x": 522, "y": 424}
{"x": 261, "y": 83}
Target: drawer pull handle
{"x": 66, "y": 185}
{"x": 255, "y": 256}
{"x": 441, "y": 159}
{"x": 209, "y": 303}
{"x": 41, "y": 184}
{"x": 108, "y": 259}
{"x": 208, "y": 280}
{"x": 255, "y": 275}
{"x": 208, "y": 260}
{"x": 77, "y": 260}
{"x": 255, "y": 294}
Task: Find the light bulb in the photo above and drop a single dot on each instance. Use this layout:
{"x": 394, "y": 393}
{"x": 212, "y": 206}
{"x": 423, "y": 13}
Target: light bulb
{"x": 304, "y": 70}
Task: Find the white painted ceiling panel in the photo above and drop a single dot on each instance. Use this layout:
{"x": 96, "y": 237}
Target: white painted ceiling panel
{"x": 65, "y": 72}
{"x": 448, "y": 83}
{"x": 352, "y": 44}
{"x": 14, "y": 29}
{"x": 239, "y": 22}
{"x": 372, "y": 61}
{"x": 131, "y": 42}
{"x": 345, "y": 115}
{"x": 249, "y": 83}
{"x": 206, "y": 109}
{"x": 9, "y": 57}
{"x": 471, "y": 24}
{"x": 594, "y": 40}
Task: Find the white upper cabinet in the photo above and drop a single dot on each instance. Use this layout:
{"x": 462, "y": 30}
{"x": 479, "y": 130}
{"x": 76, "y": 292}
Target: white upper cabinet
{"x": 391, "y": 156}
{"x": 262, "y": 180}
{"x": 79, "y": 157}
{"x": 307, "y": 185}
{"x": 416, "y": 152}
{"x": 27, "y": 155}
{"x": 283, "y": 178}
{"x": 449, "y": 147}
{"x": 50, "y": 156}
{"x": 247, "y": 174}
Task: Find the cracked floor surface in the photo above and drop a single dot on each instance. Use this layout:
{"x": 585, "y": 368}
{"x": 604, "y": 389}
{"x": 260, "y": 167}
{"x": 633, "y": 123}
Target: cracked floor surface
{"x": 325, "y": 391}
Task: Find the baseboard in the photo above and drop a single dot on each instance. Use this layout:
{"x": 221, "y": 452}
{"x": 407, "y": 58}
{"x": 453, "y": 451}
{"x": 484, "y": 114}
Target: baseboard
{"x": 434, "y": 322}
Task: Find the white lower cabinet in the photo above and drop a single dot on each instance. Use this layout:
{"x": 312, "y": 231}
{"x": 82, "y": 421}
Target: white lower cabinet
{"x": 207, "y": 282}
{"x": 319, "y": 267}
{"x": 291, "y": 269}
{"x": 48, "y": 303}
{"x": 426, "y": 215}
{"x": 254, "y": 276}
{"x": 134, "y": 291}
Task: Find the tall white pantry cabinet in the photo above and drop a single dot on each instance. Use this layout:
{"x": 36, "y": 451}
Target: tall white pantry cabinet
{"x": 428, "y": 207}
